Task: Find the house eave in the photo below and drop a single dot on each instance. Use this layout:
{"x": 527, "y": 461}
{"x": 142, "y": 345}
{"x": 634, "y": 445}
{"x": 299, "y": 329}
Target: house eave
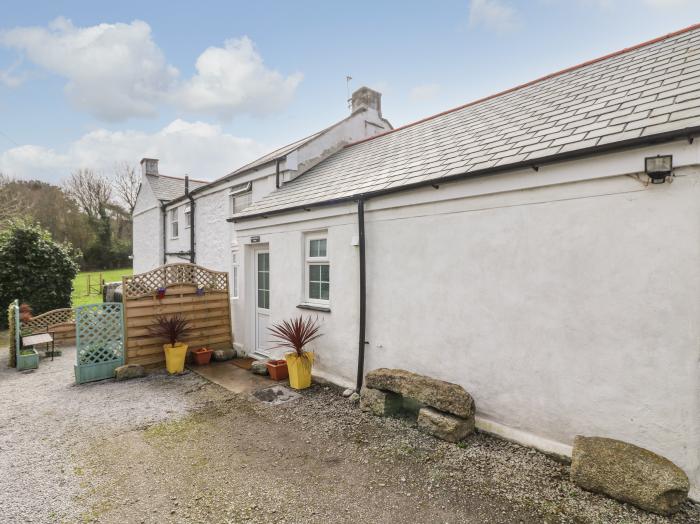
{"x": 687, "y": 133}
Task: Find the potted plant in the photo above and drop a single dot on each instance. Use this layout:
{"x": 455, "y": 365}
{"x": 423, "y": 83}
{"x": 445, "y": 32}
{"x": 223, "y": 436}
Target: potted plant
{"x": 202, "y": 356}
{"x": 296, "y": 334}
{"x": 277, "y": 369}
{"x": 173, "y": 329}
{"x": 28, "y": 358}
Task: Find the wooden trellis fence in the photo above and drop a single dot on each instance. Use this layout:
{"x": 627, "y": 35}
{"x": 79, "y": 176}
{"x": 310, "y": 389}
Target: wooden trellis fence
{"x": 59, "y": 322}
{"x": 199, "y": 294}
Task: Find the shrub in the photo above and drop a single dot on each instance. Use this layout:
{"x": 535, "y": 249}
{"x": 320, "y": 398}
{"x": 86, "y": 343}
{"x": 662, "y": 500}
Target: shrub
{"x": 296, "y": 333}
{"x": 172, "y": 329}
{"x": 34, "y": 268}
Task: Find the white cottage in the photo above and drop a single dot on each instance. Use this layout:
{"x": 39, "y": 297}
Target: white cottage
{"x": 181, "y": 219}
{"x": 540, "y": 247}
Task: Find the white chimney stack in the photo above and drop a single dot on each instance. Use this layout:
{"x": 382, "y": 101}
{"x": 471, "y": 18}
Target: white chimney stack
{"x": 149, "y": 166}
{"x": 366, "y": 98}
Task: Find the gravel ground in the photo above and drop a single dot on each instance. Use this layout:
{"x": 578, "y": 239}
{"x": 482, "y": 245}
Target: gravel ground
{"x": 47, "y": 422}
{"x": 179, "y": 449}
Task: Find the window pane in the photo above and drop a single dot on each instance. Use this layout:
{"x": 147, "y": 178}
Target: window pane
{"x": 314, "y": 272}
{"x": 317, "y": 247}
{"x": 324, "y": 291}
{"x": 315, "y": 290}
{"x": 325, "y": 273}
{"x": 261, "y": 298}
{"x": 240, "y": 202}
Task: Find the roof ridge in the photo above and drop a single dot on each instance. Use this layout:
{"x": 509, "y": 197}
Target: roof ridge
{"x": 532, "y": 82}
{"x": 180, "y": 178}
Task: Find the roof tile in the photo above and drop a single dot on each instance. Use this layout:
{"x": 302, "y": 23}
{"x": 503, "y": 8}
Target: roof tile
{"x": 643, "y": 91}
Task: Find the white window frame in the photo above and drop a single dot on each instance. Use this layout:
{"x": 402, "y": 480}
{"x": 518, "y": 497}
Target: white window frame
{"x": 315, "y": 260}
{"x": 236, "y": 192}
{"x": 235, "y": 272}
{"x": 188, "y": 217}
{"x": 174, "y": 225}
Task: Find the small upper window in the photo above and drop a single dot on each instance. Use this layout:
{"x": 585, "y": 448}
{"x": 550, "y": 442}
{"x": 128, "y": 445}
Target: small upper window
{"x": 240, "y": 197}
{"x": 318, "y": 269}
{"x": 188, "y": 217}
{"x": 174, "y": 232}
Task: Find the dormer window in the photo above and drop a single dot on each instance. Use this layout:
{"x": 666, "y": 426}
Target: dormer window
{"x": 240, "y": 197}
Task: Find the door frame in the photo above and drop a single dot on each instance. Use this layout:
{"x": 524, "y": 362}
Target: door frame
{"x": 263, "y": 248}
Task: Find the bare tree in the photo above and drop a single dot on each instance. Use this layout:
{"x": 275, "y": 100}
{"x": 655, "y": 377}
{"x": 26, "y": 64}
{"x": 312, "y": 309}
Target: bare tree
{"x": 11, "y": 202}
{"x": 91, "y": 190}
{"x": 126, "y": 184}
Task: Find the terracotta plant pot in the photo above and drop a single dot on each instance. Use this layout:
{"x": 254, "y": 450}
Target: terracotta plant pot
{"x": 202, "y": 356}
{"x": 278, "y": 369}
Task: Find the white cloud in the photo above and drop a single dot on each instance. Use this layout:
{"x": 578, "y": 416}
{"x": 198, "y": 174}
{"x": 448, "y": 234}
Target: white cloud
{"x": 234, "y": 79}
{"x": 196, "y": 148}
{"x": 496, "y": 15}
{"x": 668, "y": 3}
{"x": 114, "y": 71}
{"x": 424, "y": 92}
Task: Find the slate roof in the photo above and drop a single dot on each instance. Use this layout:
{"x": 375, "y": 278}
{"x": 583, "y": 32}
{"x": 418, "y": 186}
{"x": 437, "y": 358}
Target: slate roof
{"x": 167, "y": 188}
{"x": 647, "y": 90}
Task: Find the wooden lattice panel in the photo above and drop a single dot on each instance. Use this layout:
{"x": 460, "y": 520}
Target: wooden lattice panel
{"x": 99, "y": 333}
{"x": 208, "y": 310}
{"x": 42, "y": 323}
{"x": 144, "y": 284}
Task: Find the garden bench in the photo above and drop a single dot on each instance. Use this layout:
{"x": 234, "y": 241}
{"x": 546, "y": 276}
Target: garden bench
{"x": 40, "y": 338}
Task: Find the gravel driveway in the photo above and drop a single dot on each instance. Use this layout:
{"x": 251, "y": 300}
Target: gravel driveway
{"x": 180, "y": 449}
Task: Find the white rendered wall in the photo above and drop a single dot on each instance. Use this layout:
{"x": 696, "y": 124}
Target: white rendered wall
{"x": 147, "y": 239}
{"x": 568, "y": 309}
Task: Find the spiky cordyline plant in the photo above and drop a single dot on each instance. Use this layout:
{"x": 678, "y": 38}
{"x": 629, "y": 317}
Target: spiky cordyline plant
{"x": 296, "y": 333}
{"x": 173, "y": 328}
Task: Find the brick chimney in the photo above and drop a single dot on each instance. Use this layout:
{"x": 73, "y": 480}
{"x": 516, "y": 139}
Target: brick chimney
{"x": 149, "y": 166}
{"x": 366, "y": 98}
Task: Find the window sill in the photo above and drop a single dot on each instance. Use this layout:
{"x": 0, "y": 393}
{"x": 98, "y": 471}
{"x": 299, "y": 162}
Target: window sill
{"x": 314, "y": 307}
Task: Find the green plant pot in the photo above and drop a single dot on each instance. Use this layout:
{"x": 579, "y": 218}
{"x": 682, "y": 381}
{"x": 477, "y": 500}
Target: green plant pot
{"x": 28, "y": 361}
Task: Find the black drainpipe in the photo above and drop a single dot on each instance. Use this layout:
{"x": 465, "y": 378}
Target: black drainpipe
{"x": 363, "y": 295}
{"x": 277, "y": 172}
{"x": 165, "y": 232}
{"x": 189, "y": 196}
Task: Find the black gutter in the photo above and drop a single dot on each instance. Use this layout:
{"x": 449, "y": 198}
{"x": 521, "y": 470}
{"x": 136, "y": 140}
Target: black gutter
{"x": 277, "y": 172}
{"x": 188, "y": 194}
{"x": 687, "y": 133}
{"x": 363, "y": 295}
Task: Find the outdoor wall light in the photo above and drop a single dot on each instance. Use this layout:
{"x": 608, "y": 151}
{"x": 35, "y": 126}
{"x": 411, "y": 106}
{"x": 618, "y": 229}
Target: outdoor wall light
{"x": 658, "y": 168}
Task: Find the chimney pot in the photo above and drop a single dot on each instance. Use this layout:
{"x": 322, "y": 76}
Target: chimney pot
{"x": 149, "y": 166}
{"x": 366, "y": 98}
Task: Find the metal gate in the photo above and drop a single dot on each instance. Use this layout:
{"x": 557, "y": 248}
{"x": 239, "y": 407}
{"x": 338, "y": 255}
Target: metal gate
{"x": 99, "y": 341}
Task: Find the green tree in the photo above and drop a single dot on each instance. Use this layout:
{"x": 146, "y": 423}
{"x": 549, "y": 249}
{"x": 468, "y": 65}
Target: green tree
{"x": 34, "y": 268}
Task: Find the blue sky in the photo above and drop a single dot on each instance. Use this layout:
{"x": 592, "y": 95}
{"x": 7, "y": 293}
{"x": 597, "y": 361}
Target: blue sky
{"x": 207, "y": 86}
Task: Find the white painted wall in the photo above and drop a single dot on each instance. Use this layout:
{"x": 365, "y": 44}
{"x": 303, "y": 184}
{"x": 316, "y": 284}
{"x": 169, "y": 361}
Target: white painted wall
{"x": 147, "y": 231}
{"x": 569, "y": 308}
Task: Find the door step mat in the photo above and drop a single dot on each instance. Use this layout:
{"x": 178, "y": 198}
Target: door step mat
{"x": 243, "y": 363}
{"x": 275, "y": 395}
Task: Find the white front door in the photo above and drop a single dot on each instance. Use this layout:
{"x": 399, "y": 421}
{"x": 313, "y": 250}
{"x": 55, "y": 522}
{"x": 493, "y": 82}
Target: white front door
{"x": 262, "y": 302}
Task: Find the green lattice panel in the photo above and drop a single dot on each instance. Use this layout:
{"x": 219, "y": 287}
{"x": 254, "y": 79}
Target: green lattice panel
{"x": 99, "y": 338}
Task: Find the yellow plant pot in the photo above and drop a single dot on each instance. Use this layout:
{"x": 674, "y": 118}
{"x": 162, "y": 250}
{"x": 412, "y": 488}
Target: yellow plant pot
{"x": 299, "y": 369}
{"x": 175, "y": 357}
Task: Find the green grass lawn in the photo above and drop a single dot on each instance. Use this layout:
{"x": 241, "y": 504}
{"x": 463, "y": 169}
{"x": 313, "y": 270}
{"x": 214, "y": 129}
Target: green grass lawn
{"x": 80, "y": 284}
